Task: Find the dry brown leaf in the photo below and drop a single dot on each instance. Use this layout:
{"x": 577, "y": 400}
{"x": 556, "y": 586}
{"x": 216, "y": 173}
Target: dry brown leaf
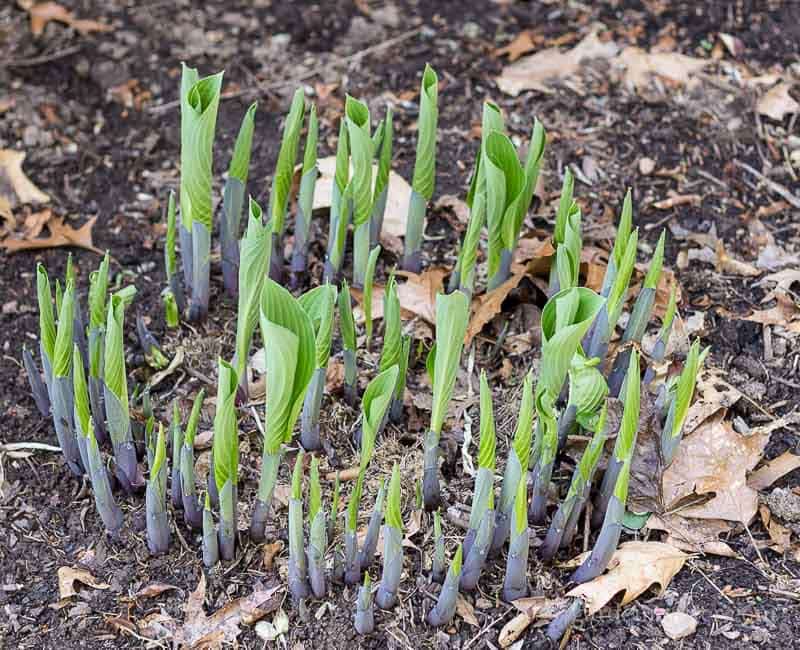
{"x": 456, "y": 204}
{"x": 394, "y": 222}
{"x": 61, "y": 234}
{"x": 269, "y": 553}
{"x": 785, "y": 313}
{"x": 153, "y": 589}
{"x": 466, "y": 611}
{"x": 712, "y": 395}
{"x": 714, "y": 460}
{"x": 526, "y": 41}
{"x": 349, "y": 474}
{"x": 633, "y": 569}
{"x": 68, "y": 576}
{"x": 693, "y": 535}
{"x": 727, "y": 264}
{"x": 334, "y": 376}
{"x": 678, "y": 199}
{"x": 222, "y": 627}
{"x": 534, "y": 71}
{"x": 778, "y": 102}
{"x": 780, "y": 535}
{"x": 417, "y": 294}
{"x": 487, "y": 305}
{"x": 641, "y": 67}
{"x": 42, "y": 13}
{"x": 773, "y": 469}
{"x": 22, "y": 190}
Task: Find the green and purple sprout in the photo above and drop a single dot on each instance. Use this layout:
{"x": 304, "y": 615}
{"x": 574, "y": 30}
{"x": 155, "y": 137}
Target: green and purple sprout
{"x": 347, "y": 327}
{"x": 334, "y": 507}
{"x": 566, "y": 318}
{"x": 639, "y": 318}
{"x": 254, "y": 255}
{"x": 289, "y": 349}
{"x": 38, "y": 387}
{"x": 564, "y": 522}
{"x": 233, "y": 198}
{"x": 199, "y": 106}
{"x": 396, "y": 410}
{"x": 680, "y": 401}
{"x": 101, "y": 487}
{"x": 152, "y": 351}
{"x": 438, "y": 565}
{"x": 156, "y": 499}
{"x": 298, "y": 574}
{"x": 98, "y": 290}
{"x": 662, "y": 339}
{"x": 368, "y": 286}
{"x": 614, "y": 490}
{"x": 374, "y": 405}
{"x": 617, "y": 257}
{"x": 305, "y": 201}
{"x": 365, "y": 619}
{"x": 361, "y": 153}
{"x": 115, "y": 391}
{"x": 442, "y": 613}
{"x": 318, "y": 533}
{"x": 515, "y": 584}
{"x": 282, "y": 180}
{"x": 481, "y": 517}
{"x": 225, "y": 451}
{"x": 172, "y": 295}
{"x": 566, "y": 206}
{"x": 47, "y": 323}
{"x": 192, "y": 514}
{"x": 320, "y": 305}
{"x": 382, "y": 146}
{"x": 559, "y": 626}
{"x": 452, "y": 316}
{"x": 176, "y": 435}
{"x": 424, "y": 178}
{"x": 370, "y": 543}
{"x": 516, "y": 469}
{"x": 341, "y": 207}
{"x": 587, "y": 393}
{"x": 396, "y": 347}
{"x": 392, "y": 546}
{"x": 81, "y": 414}
{"x": 210, "y": 541}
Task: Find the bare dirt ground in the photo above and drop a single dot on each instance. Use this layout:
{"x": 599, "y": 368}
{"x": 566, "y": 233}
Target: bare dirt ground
{"x": 707, "y": 156}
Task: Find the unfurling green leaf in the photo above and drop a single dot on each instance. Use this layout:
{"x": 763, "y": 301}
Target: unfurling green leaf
{"x": 425, "y": 163}
{"x": 394, "y": 517}
{"x": 240, "y": 162}
{"x": 392, "y": 331}
{"x": 452, "y": 316}
{"x": 319, "y": 304}
{"x": 314, "y": 490}
{"x": 657, "y": 261}
{"x": 346, "y": 325}
{"x": 361, "y": 152}
{"x": 226, "y": 432}
{"x": 524, "y": 430}
{"x": 98, "y": 280}
{"x": 194, "y": 418}
{"x": 284, "y": 167}
{"x": 488, "y": 442}
{"x": 62, "y": 361}
{"x": 47, "y": 321}
{"x": 297, "y": 477}
{"x": 369, "y": 279}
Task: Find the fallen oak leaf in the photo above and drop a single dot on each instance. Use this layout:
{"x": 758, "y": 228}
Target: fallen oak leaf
{"x": 633, "y": 569}
{"x": 466, "y": 611}
{"x": 778, "y": 102}
{"x": 641, "y": 67}
{"x": 530, "y": 608}
{"x": 772, "y": 470}
{"x": 728, "y": 264}
{"x": 418, "y": 293}
{"x": 11, "y": 173}
{"x": 269, "y": 553}
{"x": 693, "y": 535}
{"x": 61, "y": 234}
{"x": 42, "y": 13}
{"x": 68, "y": 576}
{"x": 779, "y": 534}
{"x": 526, "y": 41}
{"x": 486, "y": 306}
{"x": 153, "y": 589}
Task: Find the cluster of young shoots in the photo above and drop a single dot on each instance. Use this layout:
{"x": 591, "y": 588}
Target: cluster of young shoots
{"x": 568, "y": 395}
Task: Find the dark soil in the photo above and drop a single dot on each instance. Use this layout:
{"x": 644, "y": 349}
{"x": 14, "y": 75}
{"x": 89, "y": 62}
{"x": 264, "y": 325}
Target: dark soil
{"x": 96, "y": 156}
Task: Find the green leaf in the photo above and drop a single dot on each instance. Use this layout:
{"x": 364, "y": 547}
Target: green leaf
{"x": 685, "y": 387}
{"x": 98, "y": 280}
{"x": 342, "y": 172}
{"x": 314, "y": 490}
{"x": 521, "y": 506}
{"x": 254, "y": 249}
{"x": 669, "y": 315}
{"x": 564, "y": 206}
{"x": 626, "y": 438}
{"x": 240, "y": 162}
{"x": 452, "y": 316}
{"x": 587, "y": 386}
{"x": 114, "y": 374}
{"x": 635, "y": 521}
{"x": 310, "y": 153}
{"x": 368, "y": 284}
{"x": 393, "y": 516}
{"x": 357, "y": 115}
{"x": 657, "y": 261}
{"x": 297, "y": 477}
{"x": 425, "y": 163}
{"x": 623, "y": 230}
{"x": 392, "y": 334}
{"x": 62, "y": 361}
{"x": 289, "y": 347}
{"x": 284, "y": 168}
{"x": 81, "y": 394}
{"x": 226, "y": 432}
{"x": 524, "y": 431}
{"x": 455, "y": 566}
{"x": 488, "y": 442}
{"x": 385, "y": 154}
{"x": 616, "y": 297}
{"x": 160, "y": 456}
{"x": 320, "y": 303}
{"x": 591, "y": 455}
{"x": 194, "y": 418}
{"x": 199, "y": 106}
{"x": 533, "y": 165}
{"x": 374, "y": 403}
{"x": 47, "y": 321}
{"x": 346, "y": 325}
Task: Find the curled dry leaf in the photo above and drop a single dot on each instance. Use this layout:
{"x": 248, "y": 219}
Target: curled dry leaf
{"x": 785, "y": 313}
{"x": 61, "y": 234}
{"x": 526, "y": 41}
{"x": 153, "y": 589}
{"x": 11, "y": 174}
{"x": 466, "y": 611}
{"x": 779, "y": 535}
{"x": 773, "y": 469}
{"x": 174, "y": 364}
{"x": 487, "y": 305}
{"x": 270, "y": 552}
{"x": 41, "y": 13}
{"x": 530, "y": 609}
{"x": 418, "y": 293}
{"x": 633, "y": 569}
{"x": 693, "y": 535}
{"x": 728, "y": 264}
{"x": 778, "y": 102}
{"x": 642, "y": 67}
{"x": 68, "y": 576}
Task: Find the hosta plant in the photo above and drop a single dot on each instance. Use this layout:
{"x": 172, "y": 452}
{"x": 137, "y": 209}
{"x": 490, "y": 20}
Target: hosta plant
{"x": 341, "y": 207}
{"x": 156, "y": 499}
{"x": 367, "y": 553}
{"x": 392, "y": 545}
{"x": 365, "y": 617}
{"x": 172, "y": 295}
{"x": 192, "y": 514}
{"x": 98, "y": 299}
{"x": 305, "y": 201}
{"x": 347, "y": 328}
{"x": 442, "y": 613}
{"x": 318, "y": 533}
{"x": 176, "y": 437}
{"x": 358, "y": 133}
{"x": 369, "y": 279}
{"x": 382, "y": 147}
{"x": 225, "y": 452}
{"x": 515, "y": 584}
{"x": 298, "y": 574}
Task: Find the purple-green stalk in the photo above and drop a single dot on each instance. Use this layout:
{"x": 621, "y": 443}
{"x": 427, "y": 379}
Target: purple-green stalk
{"x": 370, "y": 543}
{"x": 365, "y": 619}
{"x": 298, "y": 575}
{"x": 192, "y": 513}
{"x": 177, "y": 445}
{"x": 38, "y": 387}
{"x": 210, "y": 542}
{"x": 98, "y": 290}
{"x": 559, "y": 626}
{"x": 305, "y": 202}
{"x": 383, "y": 152}
{"x": 341, "y": 208}
{"x": 152, "y": 351}
{"x": 660, "y": 347}
{"x": 392, "y": 546}
{"x": 442, "y": 612}
{"x": 103, "y": 497}
{"x": 225, "y": 451}
{"x": 156, "y": 499}
{"x": 317, "y": 533}
{"x": 396, "y": 410}
{"x": 437, "y": 566}
{"x": 515, "y": 584}
{"x": 347, "y": 328}
{"x": 680, "y": 401}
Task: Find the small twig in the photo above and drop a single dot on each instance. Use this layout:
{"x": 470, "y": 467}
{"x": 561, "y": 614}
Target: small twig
{"x": 772, "y": 185}
{"x": 44, "y": 58}
{"x": 26, "y": 446}
{"x": 199, "y": 375}
{"x": 486, "y": 628}
{"x": 711, "y": 582}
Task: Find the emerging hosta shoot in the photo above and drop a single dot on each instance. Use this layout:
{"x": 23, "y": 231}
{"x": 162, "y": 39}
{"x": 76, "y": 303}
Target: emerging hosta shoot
{"x": 383, "y": 152}
{"x": 319, "y": 304}
{"x": 565, "y": 320}
{"x": 365, "y": 619}
{"x": 370, "y": 545}
{"x": 253, "y": 267}
{"x": 192, "y": 514}
{"x": 115, "y": 390}
{"x": 615, "y": 261}
{"x": 660, "y": 347}
{"x": 282, "y": 179}
{"x": 210, "y": 542}
{"x": 680, "y": 402}
{"x": 358, "y": 132}
{"x": 61, "y": 389}
{"x": 516, "y": 470}
{"x": 394, "y": 351}
{"x": 341, "y": 206}
{"x": 176, "y": 436}
{"x": 38, "y": 387}
{"x": 103, "y": 497}
{"x": 305, "y": 200}
{"x": 347, "y": 327}
{"x": 392, "y": 545}
{"x": 233, "y": 196}
{"x": 564, "y": 522}
{"x": 442, "y": 613}
{"x": 199, "y": 105}
{"x": 290, "y": 358}
{"x": 614, "y": 490}
{"x": 587, "y": 393}
{"x": 81, "y": 413}
{"x": 152, "y": 351}
{"x": 374, "y": 405}
{"x": 225, "y": 452}
{"x": 424, "y": 178}
{"x": 47, "y": 323}
{"x": 515, "y": 584}
{"x": 156, "y": 499}
{"x": 396, "y": 411}
{"x": 98, "y": 290}
{"x": 368, "y": 284}
{"x": 318, "y": 532}
{"x": 481, "y": 517}
{"x": 567, "y": 237}
{"x": 172, "y": 295}
{"x": 334, "y": 507}
{"x": 438, "y": 565}
{"x": 452, "y": 315}
{"x": 298, "y": 582}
